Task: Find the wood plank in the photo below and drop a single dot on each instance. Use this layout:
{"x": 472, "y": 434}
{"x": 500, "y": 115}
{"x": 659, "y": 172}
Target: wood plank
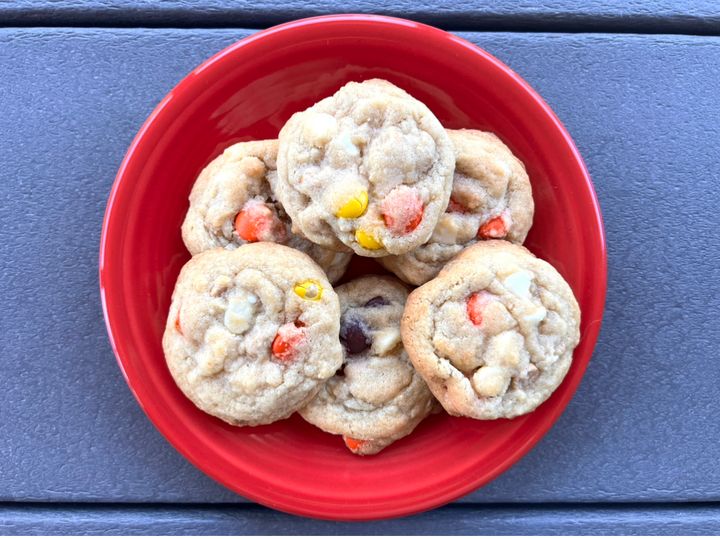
{"x": 651, "y": 16}
{"x": 452, "y": 520}
{"x": 645, "y": 112}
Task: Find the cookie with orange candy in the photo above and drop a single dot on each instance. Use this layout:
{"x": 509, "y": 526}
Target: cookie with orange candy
{"x": 491, "y": 199}
{"x": 377, "y": 397}
{"x": 231, "y": 204}
{"x": 252, "y": 333}
{"x": 369, "y": 168}
{"x": 493, "y": 334}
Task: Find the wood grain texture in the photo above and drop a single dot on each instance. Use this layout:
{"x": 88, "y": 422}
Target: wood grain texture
{"x": 453, "y": 520}
{"x": 645, "y": 113}
{"x": 650, "y": 16}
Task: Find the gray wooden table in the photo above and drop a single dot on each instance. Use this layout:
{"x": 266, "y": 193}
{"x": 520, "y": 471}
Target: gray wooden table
{"x": 638, "y": 87}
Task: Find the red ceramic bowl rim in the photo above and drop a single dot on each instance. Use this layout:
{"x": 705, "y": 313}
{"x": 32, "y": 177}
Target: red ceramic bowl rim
{"x": 110, "y": 234}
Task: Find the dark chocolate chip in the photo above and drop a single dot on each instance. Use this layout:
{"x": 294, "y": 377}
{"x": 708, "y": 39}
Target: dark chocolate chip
{"x": 353, "y": 335}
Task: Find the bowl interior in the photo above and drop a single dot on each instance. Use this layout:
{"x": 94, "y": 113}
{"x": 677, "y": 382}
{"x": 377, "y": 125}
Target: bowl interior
{"x": 247, "y": 92}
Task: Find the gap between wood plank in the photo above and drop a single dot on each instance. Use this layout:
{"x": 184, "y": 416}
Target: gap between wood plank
{"x": 460, "y": 506}
{"x": 457, "y": 22}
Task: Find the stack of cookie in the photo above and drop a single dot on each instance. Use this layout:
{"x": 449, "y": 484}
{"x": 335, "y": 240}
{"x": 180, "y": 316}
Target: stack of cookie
{"x": 256, "y": 330}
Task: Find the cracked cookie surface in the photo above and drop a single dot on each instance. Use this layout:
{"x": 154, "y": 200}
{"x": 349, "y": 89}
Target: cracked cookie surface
{"x": 376, "y": 397}
{"x": 491, "y": 199}
{"x": 232, "y": 204}
{"x": 252, "y": 333}
{"x": 493, "y": 334}
{"x": 369, "y": 168}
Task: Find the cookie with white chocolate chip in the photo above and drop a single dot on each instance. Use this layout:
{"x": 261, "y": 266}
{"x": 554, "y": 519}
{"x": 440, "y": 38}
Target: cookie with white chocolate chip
{"x": 376, "y": 397}
{"x": 252, "y": 333}
{"x": 491, "y": 199}
{"x": 493, "y": 334}
{"x": 231, "y": 204}
{"x": 369, "y": 168}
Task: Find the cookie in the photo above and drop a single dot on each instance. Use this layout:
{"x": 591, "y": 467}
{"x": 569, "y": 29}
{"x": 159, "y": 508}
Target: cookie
{"x": 377, "y": 397}
{"x": 369, "y": 168}
{"x": 493, "y": 334}
{"x": 231, "y": 204}
{"x": 491, "y": 199}
{"x": 252, "y": 333}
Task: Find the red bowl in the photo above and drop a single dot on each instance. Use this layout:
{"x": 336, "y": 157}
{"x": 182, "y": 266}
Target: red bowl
{"x": 248, "y": 91}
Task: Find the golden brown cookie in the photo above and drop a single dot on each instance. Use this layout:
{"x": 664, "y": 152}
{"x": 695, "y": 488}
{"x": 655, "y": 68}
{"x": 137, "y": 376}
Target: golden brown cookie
{"x": 493, "y": 334}
{"x": 491, "y": 199}
{"x": 252, "y": 333}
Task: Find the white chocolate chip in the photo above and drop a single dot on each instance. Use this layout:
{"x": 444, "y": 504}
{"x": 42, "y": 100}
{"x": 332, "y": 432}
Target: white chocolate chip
{"x": 240, "y": 312}
{"x": 490, "y": 381}
{"x": 385, "y": 340}
{"x": 446, "y": 231}
{"x": 209, "y": 364}
{"x": 504, "y": 349}
{"x": 219, "y": 341}
{"x": 320, "y": 129}
{"x": 211, "y": 358}
{"x": 534, "y": 314}
{"x": 323, "y": 372}
{"x": 553, "y": 324}
{"x": 273, "y": 374}
{"x": 345, "y": 144}
{"x": 519, "y": 283}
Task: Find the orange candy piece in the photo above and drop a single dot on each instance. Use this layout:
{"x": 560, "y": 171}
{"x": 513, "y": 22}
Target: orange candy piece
{"x": 493, "y": 229}
{"x": 257, "y": 222}
{"x": 475, "y": 306}
{"x": 353, "y": 444}
{"x": 402, "y": 210}
{"x": 286, "y": 342}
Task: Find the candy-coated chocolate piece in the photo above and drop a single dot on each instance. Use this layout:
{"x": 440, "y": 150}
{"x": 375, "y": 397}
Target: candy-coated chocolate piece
{"x": 367, "y": 240}
{"x": 286, "y": 342}
{"x": 402, "y": 210}
{"x": 340, "y": 159}
{"x": 475, "y": 306}
{"x": 230, "y": 342}
{"x": 494, "y": 228}
{"x": 353, "y": 444}
{"x": 257, "y": 222}
{"x": 354, "y": 207}
{"x": 309, "y": 290}
{"x": 376, "y": 397}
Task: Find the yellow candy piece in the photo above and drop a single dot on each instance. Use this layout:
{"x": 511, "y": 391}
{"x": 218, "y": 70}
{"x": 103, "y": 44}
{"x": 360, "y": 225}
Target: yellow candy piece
{"x": 367, "y": 240}
{"x": 354, "y": 207}
{"x": 309, "y": 290}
